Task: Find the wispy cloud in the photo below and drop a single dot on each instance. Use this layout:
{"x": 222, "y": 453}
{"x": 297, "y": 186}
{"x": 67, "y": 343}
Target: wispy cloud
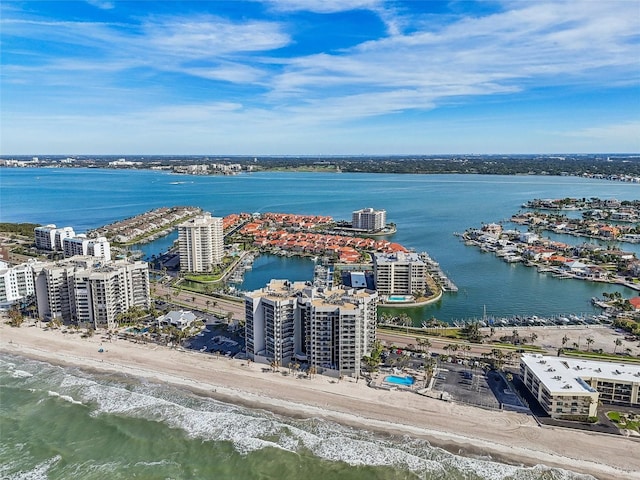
{"x": 208, "y": 36}
{"x": 101, "y": 4}
{"x": 324, "y": 6}
{"x": 625, "y": 132}
{"x": 247, "y": 70}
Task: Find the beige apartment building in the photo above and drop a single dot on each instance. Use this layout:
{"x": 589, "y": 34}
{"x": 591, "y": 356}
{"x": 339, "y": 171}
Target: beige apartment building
{"x": 330, "y": 329}
{"x": 201, "y": 243}
{"x": 399, "y": 273}
{"x": 84, "y": 289}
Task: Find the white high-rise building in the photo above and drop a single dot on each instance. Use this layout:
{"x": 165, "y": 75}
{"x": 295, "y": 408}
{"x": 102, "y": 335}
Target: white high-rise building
{"x": 45, "y": 237}
{"x": 16, "y": 283}
{"x": 81, "y": 245}
{"x": 86, "y": 289}
{"x": 201, "y": 243}
{"x": 329, "y": 329}
{"x": 49, "y": 237}
{"x": 369, "y": 219}
{"x": 399, "y": 273}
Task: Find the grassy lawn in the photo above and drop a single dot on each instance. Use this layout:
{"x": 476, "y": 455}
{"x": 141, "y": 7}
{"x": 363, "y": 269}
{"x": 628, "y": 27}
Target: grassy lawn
{"x": 204, "y": 278}
{"x": 625, "y": 421}
{"x": 600, "y": 356}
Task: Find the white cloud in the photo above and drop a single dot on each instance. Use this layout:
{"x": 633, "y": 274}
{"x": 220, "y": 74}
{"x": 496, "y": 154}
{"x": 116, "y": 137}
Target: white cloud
{"x": 555, "y": 44}
{"x": 528, "y": 44}
{"x": 628, "y": 132}
{"x": 101, "y": 4}
{"x": 324, "y": 6}
{"x": 208, "y": 36}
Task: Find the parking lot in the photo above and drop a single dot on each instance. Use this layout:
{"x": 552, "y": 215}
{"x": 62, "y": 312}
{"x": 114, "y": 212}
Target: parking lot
{"x": 468, "y": 384}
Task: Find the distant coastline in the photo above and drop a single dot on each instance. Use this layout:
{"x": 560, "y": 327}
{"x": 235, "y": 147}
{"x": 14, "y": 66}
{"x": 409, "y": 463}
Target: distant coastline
{"x": 613, "y": 166}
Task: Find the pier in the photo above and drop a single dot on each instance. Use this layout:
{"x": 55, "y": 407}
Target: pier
{"x": 438, "y": 275}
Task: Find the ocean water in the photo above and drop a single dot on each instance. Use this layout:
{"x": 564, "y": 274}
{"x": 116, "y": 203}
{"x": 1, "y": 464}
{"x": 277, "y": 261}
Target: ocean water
{"x": 427, "y": 209}
{"x": 62, "y": 423}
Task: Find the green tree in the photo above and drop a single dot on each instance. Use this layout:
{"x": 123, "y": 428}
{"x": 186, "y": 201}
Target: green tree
{"x": 15, "y": 316}
{"x": 618, "y": 343}
{"x": 590, "y": 340}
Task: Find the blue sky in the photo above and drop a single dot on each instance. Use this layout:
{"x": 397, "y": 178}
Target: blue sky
{"x": 319, "y": 77}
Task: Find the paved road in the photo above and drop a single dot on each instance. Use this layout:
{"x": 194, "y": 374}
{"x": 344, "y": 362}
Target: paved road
{"x": 437, "y": 344}
{"x": 217, "y": 306}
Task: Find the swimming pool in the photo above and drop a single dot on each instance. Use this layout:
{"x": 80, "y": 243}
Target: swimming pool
{"x": 397, "y": 380}
{"x": 399, "y": 298}
{"x": 136, "y": 330}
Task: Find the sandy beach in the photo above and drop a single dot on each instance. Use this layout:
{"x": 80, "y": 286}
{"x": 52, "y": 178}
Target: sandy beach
{"x": 505, "y": 436}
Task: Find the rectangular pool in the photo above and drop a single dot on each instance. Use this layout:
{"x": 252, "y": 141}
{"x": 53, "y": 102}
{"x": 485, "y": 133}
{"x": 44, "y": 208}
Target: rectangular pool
{"x": 397, "y": 380}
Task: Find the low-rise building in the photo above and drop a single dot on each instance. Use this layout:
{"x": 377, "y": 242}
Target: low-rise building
{"x": 180, "y": 319}
{"x": 570, "y": 388}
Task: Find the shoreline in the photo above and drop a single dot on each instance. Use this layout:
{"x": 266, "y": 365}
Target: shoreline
{"x": 507, "y": 437}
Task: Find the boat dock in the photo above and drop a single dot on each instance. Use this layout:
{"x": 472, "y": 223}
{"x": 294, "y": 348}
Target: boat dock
{"x": 433, "y": 268}
{"x": 533, "y": 320}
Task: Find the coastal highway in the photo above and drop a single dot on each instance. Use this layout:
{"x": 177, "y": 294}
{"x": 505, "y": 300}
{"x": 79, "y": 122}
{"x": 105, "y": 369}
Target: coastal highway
{"x": 402, "y": 340}
{"x": 217, "y": 306}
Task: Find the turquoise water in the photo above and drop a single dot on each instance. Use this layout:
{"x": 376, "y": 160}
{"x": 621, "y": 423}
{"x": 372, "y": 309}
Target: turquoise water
{"x": 427, "y": 209}
{"x": 64, "y": 424}
{"x": 399, "y": 298}
{"x": 397, "y": 380}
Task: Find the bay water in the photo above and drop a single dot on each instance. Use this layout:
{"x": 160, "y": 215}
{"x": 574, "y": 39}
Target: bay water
{"x": 427, "y": 209}
{"x": 64, "y": 423}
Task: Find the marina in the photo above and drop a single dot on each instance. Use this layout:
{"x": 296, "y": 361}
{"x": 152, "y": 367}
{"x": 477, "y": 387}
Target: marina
{"x": 534, "y": 321}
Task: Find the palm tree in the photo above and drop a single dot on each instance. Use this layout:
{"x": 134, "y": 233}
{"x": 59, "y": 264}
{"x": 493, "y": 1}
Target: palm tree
{"x": 275, "y": 365}
{"x": 534, "y": 337}
{"x": 618, "y": 343}
{"x": 565, "y": 339}
{"x": 590, "y": 340}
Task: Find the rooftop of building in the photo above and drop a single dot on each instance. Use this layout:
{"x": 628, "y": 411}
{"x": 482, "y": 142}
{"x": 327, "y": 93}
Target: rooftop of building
{"x": 396, "y": 257}
{"x": 320, "y": 296}
{"x": 204, "y": 219}
{"x": 563, "y": 375}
